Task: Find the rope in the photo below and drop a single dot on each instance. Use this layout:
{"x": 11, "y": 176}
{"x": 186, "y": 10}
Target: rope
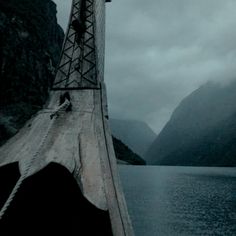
{"x": 24, "y": 175}
{"x": 62, "y": 107}
{"x": 29, "y": 165}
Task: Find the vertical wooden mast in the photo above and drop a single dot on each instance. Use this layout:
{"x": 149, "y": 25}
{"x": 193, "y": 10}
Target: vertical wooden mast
{"x": 82, "y": 68}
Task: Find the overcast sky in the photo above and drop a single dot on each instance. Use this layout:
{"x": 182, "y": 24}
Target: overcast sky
{"x": 159, "y": 51}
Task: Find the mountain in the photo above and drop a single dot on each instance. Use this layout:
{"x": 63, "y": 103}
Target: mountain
{"x": 125, "y": 154}
{"x": 201, "y": 131}
{"x": 136, "y": 134}
{"x": 30, "y": 46}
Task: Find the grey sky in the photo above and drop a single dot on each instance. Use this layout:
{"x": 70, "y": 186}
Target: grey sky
{"x": 159, "y": 51}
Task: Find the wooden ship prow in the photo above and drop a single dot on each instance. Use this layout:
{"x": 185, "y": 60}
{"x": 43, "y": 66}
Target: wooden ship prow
{"x": 73, "y": 128}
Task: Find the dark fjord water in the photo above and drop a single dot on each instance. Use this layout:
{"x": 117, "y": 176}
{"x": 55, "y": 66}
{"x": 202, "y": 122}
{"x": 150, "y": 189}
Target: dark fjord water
{"x": 187, "y": 201}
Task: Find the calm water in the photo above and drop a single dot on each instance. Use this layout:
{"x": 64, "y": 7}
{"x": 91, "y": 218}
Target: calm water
{"x": 180, "y": 200}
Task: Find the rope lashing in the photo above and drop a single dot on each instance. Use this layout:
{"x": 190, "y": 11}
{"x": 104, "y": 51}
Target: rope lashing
{"x": 62, "y": 107}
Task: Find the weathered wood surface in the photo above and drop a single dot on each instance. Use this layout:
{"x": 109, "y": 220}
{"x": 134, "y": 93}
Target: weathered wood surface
{"x": 81, "y": 141}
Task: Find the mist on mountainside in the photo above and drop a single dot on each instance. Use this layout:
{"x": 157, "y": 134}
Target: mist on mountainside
{"x": 201, "y": 130}
{"x": 136, "y": 134}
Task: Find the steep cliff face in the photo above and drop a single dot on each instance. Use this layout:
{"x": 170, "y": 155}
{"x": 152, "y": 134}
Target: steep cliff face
{"x": 201, "y": 131}
{"x": 30, "y": 45}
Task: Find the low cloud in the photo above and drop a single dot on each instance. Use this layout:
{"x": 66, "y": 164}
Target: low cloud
{"x": 159, "y": 51}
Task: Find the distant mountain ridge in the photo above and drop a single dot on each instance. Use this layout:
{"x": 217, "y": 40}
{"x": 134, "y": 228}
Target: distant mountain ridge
{"x": 201, "y": 131}
{"x": 136, "y": 134}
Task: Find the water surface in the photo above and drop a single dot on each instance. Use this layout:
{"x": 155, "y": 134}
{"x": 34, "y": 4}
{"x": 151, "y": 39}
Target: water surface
{"x": 180, "y": 200}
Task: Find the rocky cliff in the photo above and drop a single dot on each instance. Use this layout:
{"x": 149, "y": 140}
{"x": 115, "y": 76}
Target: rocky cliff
{"x": 30, "y": 45}
{"x": 201, "y": 131}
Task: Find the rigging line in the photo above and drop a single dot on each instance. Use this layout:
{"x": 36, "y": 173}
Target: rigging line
{"x": 26, "y": 171}
{"x": 24, "y": 175}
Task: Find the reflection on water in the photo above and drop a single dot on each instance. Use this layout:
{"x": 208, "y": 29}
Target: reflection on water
{"x": 180, "y": 200}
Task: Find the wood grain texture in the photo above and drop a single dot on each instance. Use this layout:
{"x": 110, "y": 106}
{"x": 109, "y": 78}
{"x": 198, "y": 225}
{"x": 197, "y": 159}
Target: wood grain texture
{"x": 81, "y": 141}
